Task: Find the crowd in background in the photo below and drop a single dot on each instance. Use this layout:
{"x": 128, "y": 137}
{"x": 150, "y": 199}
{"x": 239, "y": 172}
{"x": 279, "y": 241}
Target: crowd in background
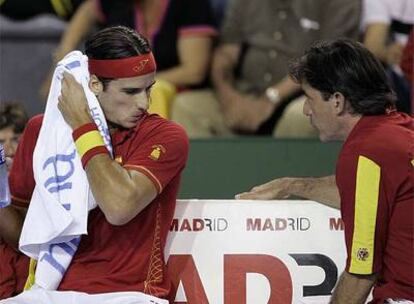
{"x": 222, "y": 64}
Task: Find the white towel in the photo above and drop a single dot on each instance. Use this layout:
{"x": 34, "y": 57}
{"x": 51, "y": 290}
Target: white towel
{"x": 61, "y": 200}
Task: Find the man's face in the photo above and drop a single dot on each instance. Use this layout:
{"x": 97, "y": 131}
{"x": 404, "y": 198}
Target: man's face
{"x": 322, "y": 113}
{"x": 125, "y": 100}
{"x": 10, "y": 140}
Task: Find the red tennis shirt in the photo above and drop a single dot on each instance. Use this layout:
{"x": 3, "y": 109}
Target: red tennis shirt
{"x": 129, "y": 257}
{"x": 375, "y": 177}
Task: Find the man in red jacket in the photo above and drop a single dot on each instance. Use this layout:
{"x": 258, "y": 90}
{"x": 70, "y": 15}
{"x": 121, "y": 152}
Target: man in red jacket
{"x": 349, "y": 99}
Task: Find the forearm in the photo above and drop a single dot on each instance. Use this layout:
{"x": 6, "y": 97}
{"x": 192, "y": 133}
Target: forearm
{"x": 352, "y": 289}
{"x": 319, "y": 189}
{"x": 375, "y": 39}
{"x": 11, "y": 224}
{"x": 120, "y": 194}
{"x": 286, "y": 87}
{"x": 111, "y": 186}
{"x": 79, "y": 26}
{"x": 183, "y": 75}
{"x": 191, "y": 69}
{"x": 224, "y": 62}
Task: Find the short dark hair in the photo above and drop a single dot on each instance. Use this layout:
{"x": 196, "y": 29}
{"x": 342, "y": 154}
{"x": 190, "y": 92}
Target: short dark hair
{"x": 115, "y": 42}
{"x": 346, "y": 66}
{"x": 13, "y": 115}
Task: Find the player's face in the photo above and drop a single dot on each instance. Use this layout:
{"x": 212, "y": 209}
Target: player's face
{"x": 126, "y": 100}
{"x": 10, "y": 140}
{"x": 321, "y": 113}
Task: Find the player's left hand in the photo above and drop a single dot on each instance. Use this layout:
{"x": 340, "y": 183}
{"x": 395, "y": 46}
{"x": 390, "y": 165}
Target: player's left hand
{"x": 275, "y": 189}
{"x": 73, "y": 103}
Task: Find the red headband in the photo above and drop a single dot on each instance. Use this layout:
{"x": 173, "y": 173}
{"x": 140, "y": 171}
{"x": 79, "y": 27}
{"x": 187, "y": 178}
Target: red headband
{"x": 123, "y": 68}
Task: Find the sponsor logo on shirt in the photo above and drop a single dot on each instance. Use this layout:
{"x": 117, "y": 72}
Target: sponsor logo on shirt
{"x": 156, "y": 152}
{"x": 362, "y": 254}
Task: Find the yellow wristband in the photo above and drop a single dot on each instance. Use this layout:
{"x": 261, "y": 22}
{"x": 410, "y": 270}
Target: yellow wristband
{"x": 88, "y": 141}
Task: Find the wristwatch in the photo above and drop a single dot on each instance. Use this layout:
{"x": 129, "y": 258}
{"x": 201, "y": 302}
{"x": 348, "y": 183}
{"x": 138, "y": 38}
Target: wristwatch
{"x": 273, "y": 95}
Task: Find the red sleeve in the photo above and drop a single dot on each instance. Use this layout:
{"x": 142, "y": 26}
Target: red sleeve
{"x": 364, "y": 210}
{"x": 162, "y": 156}
{"x": 21, "y": 174}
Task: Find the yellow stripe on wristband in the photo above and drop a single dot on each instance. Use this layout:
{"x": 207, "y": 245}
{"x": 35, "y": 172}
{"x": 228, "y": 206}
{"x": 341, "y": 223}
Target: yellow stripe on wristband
{"x": 88, "y": 141}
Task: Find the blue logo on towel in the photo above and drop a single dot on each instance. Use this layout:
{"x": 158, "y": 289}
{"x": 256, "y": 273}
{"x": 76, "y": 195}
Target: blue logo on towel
{"x": 58, "y": 182}
{"x": 72, "y": 65}
{"x": 69, "y": 248}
